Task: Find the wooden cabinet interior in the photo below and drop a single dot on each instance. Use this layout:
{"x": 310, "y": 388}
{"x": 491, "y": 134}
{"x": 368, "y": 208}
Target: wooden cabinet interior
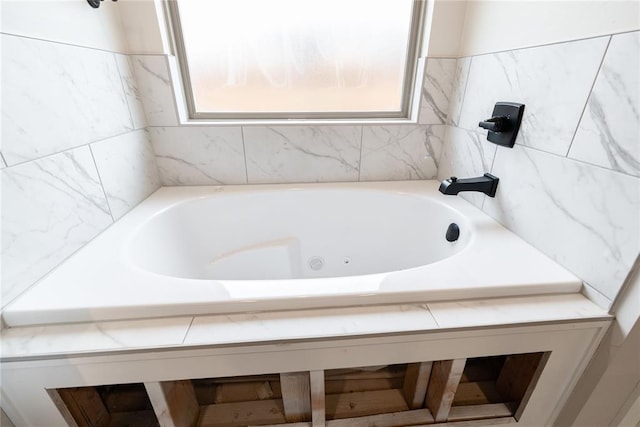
{"x": 473, "y": 392}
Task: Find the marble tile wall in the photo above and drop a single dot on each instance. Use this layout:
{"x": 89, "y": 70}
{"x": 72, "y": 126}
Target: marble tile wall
{"x": 571, "y": 185}
{"x": 75, "y": 153}
{"x": 201, "y": 155}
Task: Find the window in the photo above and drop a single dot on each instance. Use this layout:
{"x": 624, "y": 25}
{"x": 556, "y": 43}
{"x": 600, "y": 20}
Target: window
{"x": 279, "y": 59}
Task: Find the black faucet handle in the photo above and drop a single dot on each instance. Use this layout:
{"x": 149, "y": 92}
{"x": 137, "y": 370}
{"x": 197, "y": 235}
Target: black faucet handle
{"x": 495, "y": 124}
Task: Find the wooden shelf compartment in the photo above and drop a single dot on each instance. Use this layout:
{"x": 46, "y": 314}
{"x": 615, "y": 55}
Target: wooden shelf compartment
{"x": 118, "y": 405}
{"x": 496, "y": 386}
{"x": 473, "y": 392}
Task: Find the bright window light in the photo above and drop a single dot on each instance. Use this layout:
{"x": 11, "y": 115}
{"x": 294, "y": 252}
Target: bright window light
{"x": 296, "y": 58}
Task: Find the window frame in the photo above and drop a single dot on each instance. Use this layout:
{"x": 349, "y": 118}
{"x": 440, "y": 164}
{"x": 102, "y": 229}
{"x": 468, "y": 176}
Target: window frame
{"x": 410, "y": 86}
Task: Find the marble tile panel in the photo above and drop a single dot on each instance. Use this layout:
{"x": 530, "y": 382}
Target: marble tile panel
{"x": 131, "y": 91}
{"x": 283, "y": 154}
{"x": 91, "y": 337}
{"x": 582, "y": 216}
{"x": 552, "y": 81}
{"x": 68, "y": 22}
{"x": 460, "y": 76}
{"x": 290, "y": 325}
{"x": 400, "y": 152}
{"x": 436, "y": 91}
{"x": 609, "y": 132}
{"x": 199, "y": 155}
{"x": 56, "y": 96}
{"x": 50, "y": 208}
{"x": 502, "y": 311}
{"x": 155, "y": 89}
{"x": 128, "y": 170}
{"x": 466, "y": 154}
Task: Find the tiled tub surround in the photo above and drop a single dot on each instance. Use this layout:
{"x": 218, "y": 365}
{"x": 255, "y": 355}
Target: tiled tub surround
{"x": 377, "y": 242}
{"x": 35, "y": 359}
{"x": 77, "y": 154}
{"x": 570, "y": 186}
{"x": 208, "y": 155}
{"x": 223, "y": 329}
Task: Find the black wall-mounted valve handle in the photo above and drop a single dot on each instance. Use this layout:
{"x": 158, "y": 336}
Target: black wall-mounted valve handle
{"x": 504, "y": 124}
{"x": 495, "y": 124}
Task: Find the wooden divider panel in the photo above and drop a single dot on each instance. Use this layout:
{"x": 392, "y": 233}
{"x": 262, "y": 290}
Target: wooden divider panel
{"x": 318, "y": 414}
{"x": 445, "y": 376}
{"x": 174, "y": 403}
{"x": 85, "y": 406}
{"x": 296, "y": 396}
{"x": 519, "y": 376}
{"x": 416, "y": 381}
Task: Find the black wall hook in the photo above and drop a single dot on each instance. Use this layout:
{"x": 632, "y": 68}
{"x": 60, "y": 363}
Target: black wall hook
{"x": 95, "y": 3}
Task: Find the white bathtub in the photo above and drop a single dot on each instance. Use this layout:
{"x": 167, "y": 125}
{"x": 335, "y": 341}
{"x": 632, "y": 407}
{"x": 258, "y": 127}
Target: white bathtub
{"x": 199, "y": 250}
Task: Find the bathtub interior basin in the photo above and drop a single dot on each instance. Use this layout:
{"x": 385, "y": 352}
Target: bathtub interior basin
{"x": 296, "y": 234}
{"x": 225, "y": 249}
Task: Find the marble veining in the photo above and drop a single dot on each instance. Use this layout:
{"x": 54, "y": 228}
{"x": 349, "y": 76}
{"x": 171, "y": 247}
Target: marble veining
{"x": 512, "y": 310}
{"x": 609, "y": 132}
{"x": 92, "y": 337}
{"x": 282, "y": 154}
{"x": 584, "y": 217}
{"x": 127, "y": 169}
{"x": 56, "y": 96}
{"x": 466, "y": 154}
{"x": 436, "y": 90}
{"x": 3, "y": 164}
{"x": 51, "y": 207}
{"x": 400, "y": 152}
{"x": 270, "y": 326}
{"x": 552, "y": 81}
{"x": 460, "y": 76}
{"x": 199, "y": 155}
{"x": 131, "y": 91}
{"x": 185, "y": 332}
{"x": 155, "y": 89}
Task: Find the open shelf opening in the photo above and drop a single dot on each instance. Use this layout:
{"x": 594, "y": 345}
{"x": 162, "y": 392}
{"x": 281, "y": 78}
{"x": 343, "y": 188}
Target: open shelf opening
{"x": 440, "y": 393}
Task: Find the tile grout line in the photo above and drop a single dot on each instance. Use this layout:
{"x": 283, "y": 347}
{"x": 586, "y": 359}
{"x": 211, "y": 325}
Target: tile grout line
{"x": 174, "y": 95}
{"x": 104, "y": 192}
{"x": 193, "y": 318}
{"x": 434, "y": 57}
{"x": 124, "y": 91}
{"x": 464, "y": 93}
{"x": 432, "y": 316}
{"x": 560, "y": 156}
{"x": 244, "y": 153}
{"x": 586, "y": 103}
{"x": 62, "y": 43}
{"x": 553, "y": 43}
{"x": 75, "y": 147}
{"x": 360, "y": 162}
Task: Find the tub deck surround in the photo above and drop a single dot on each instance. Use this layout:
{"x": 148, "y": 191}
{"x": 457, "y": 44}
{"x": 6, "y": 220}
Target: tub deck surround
{"x": 38, "y": 359}
{"x": 135, "y": 270}
{"x": 104, "y": 338}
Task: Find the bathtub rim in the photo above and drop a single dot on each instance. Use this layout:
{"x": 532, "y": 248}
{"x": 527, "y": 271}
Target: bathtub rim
{"x": 20, "y": 312}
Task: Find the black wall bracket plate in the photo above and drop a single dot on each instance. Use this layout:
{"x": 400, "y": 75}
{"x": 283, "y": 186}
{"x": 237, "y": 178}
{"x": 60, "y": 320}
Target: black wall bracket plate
{"x": 512, "y": 115}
